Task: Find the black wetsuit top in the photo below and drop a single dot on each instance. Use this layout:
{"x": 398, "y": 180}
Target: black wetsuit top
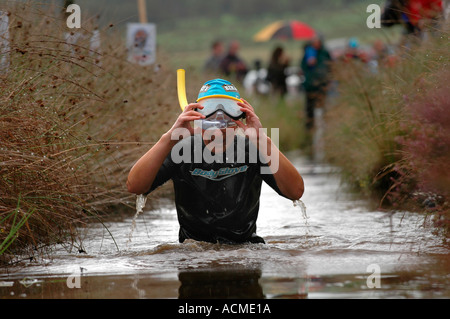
{"x": 216, "y": 201}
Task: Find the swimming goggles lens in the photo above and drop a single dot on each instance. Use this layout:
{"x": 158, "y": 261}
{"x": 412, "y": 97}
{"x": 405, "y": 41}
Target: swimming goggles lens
{"x": 228, "y": 106}
{"x": 218, "y": 121}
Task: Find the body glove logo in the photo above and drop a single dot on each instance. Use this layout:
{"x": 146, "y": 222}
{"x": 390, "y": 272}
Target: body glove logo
{"x": 219, "y": 174}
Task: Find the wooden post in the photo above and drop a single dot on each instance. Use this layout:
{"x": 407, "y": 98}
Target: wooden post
{"x": 142, "y": 11}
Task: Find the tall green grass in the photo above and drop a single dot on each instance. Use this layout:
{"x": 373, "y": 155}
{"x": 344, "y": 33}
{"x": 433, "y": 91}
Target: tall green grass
{"x": 16, "y": 225}
{"x": 72, "y": 123}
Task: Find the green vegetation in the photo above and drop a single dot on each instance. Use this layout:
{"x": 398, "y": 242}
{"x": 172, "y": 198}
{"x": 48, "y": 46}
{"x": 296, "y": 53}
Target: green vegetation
{"x": 389, "y": 131}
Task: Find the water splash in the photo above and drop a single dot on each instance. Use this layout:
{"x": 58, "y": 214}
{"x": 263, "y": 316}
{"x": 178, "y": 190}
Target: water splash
{"x": 299, "y": 203}
{"x": 140, "y": 204}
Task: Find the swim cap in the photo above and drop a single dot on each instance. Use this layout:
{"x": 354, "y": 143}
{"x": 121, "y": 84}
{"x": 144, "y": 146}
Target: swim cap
{"x": 218, "y": 88}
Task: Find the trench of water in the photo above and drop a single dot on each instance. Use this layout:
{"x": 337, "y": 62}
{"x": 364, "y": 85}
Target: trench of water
{"x": 330, "y": 251}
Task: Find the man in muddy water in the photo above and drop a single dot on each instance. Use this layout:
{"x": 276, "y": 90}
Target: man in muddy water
{"x": 217, "y": 172}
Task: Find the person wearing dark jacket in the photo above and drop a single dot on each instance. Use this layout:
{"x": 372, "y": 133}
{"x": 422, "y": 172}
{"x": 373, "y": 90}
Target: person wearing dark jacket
{"x": 316, "y": 69}
{"x": 276, "y": 72}
{"x": 232, "y": 65}
{"x": 411, "y": 14}
{"x": 212, "y": 64}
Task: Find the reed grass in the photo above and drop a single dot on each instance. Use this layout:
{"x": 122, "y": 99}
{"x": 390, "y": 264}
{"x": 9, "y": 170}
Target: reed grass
{"x": 72, "y": 122}
{"x": 373, "y": 130}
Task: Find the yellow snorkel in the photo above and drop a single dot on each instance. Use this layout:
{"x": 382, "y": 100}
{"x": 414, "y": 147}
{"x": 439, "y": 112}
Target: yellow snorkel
{"x": 181, "y": 88}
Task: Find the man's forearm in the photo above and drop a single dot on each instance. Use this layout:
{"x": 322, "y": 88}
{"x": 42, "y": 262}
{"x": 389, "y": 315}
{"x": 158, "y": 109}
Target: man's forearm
{"x": 287, "y": 177}
{"x": 143, "y": 173}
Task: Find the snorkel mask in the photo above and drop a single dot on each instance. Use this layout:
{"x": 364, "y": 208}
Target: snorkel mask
{"x": 218, "y": 120}
{"x": 219, "y": 99}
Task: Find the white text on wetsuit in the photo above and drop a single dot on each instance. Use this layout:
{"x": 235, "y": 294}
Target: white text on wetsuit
{"x": 220, "y": 174}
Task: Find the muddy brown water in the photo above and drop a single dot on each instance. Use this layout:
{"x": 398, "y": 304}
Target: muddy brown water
{"x": 343, "y": 250}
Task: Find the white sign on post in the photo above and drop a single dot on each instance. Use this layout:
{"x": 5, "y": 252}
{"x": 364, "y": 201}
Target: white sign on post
{"x": 141, "y": 43}
{"x": 4, "y": 42}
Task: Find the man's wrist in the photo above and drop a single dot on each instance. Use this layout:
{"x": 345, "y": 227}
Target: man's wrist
{"x": 263, "y": 139}
{"x": 166, "y": 138}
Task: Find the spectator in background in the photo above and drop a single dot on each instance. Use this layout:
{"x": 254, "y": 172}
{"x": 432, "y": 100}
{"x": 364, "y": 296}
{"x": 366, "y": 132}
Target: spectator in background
{"x": 276, "y": 72}
{"x": 212, "y": 65}
{"x": 232, "y": 65}
{"x": 381, "y": 56}
{"x": 417, "y": 12}
{"x": 412, "y": 14}
{"x": 353, "y": 52}
{"x": 380, "y": 49}
{"x": 316, "y": 68}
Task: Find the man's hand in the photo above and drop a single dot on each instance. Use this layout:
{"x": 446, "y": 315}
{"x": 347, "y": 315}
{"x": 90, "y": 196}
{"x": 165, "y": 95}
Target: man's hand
{"x": 186, "y": 117}
{"x": 143, "y": 173}
{"x": 251, "y": 119}
{"x": 287, "y": 177}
